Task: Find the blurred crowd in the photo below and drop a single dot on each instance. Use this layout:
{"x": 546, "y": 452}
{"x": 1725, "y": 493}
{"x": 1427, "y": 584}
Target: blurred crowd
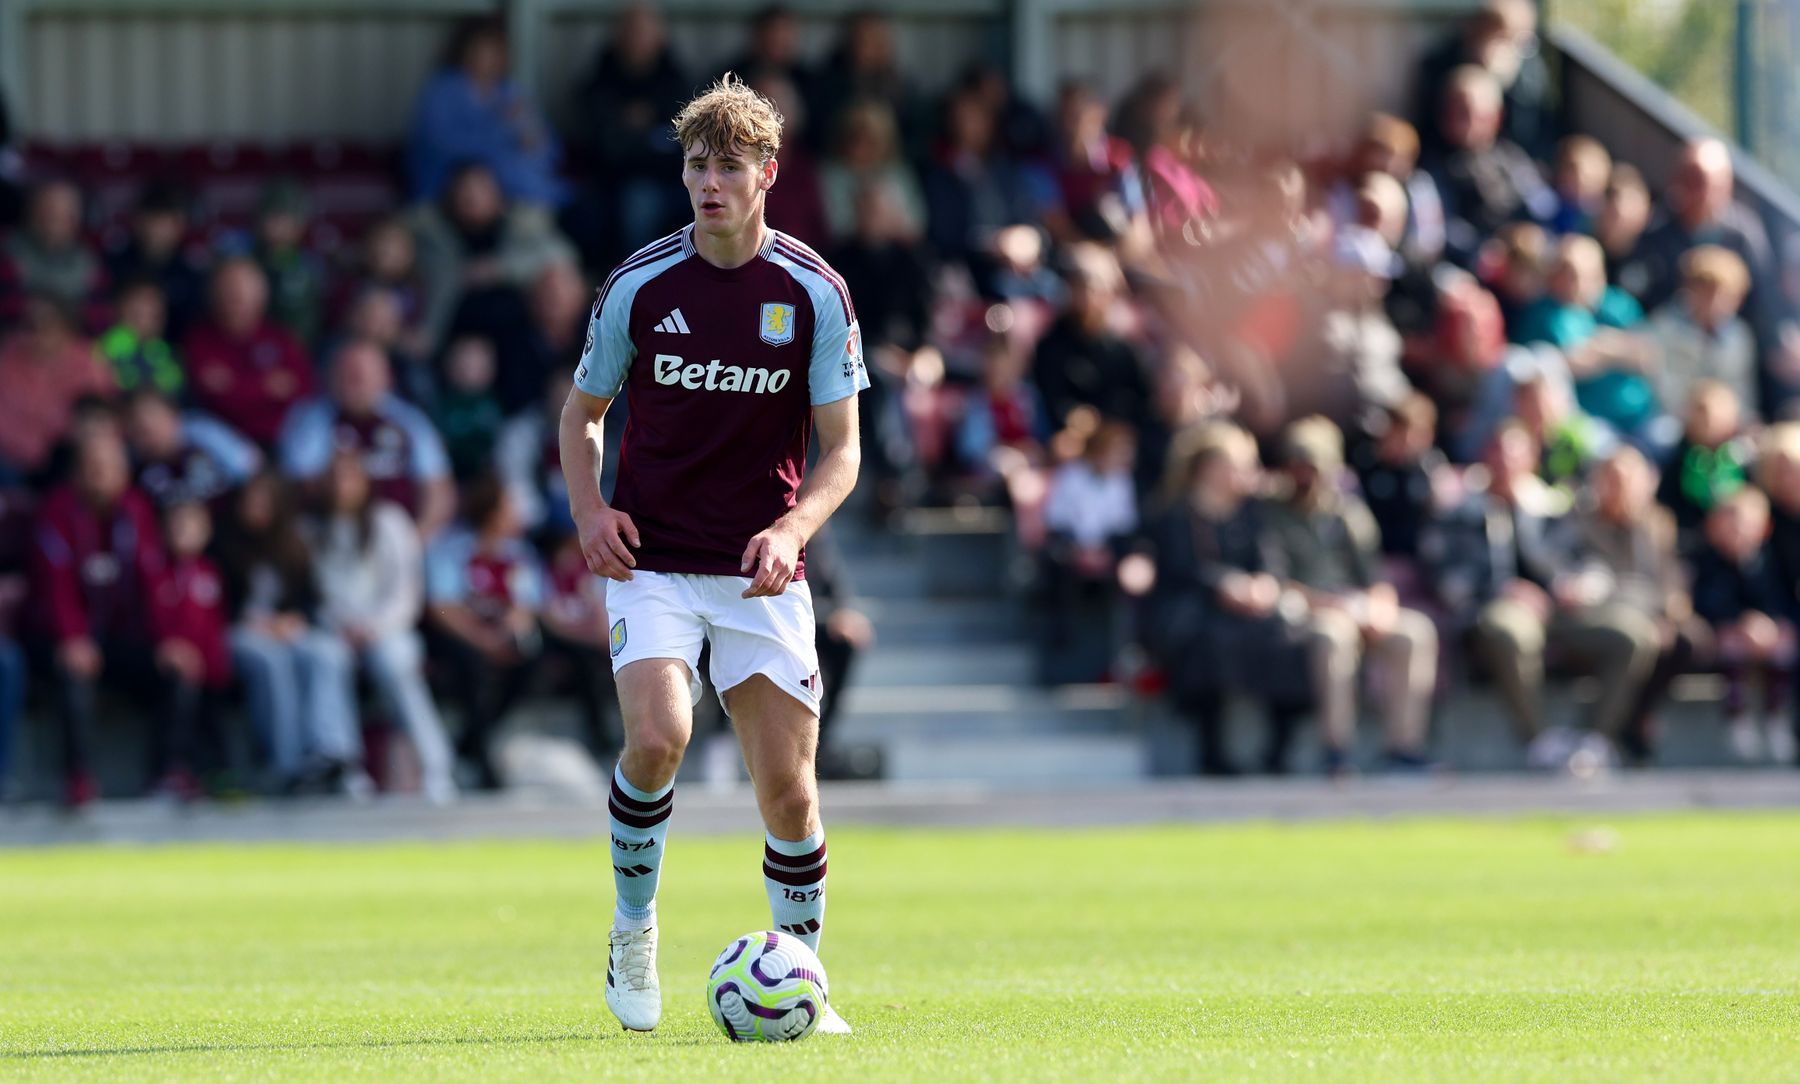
{"x": 1520, "y": 414}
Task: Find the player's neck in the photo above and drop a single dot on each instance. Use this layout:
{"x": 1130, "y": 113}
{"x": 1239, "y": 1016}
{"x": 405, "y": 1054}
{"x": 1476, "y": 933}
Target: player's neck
{"x": 730, "y": 251}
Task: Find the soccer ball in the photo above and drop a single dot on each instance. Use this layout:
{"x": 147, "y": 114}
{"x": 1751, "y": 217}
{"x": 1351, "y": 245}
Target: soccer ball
{"x": 766, "y": 987}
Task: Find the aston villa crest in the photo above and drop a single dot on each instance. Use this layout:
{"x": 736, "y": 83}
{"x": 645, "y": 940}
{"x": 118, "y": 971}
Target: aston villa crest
{"x": 777, "y": 323}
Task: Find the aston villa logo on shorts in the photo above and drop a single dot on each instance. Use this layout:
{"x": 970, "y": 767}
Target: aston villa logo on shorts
{"x": 618, "y": 637}
{"x": 777, "y": 323}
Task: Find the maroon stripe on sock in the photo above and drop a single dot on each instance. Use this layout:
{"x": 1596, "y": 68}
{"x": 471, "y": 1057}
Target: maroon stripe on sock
{"x": 638, "y": 804}
{"x": 790, "y": 877}
{"x": 636, "y": 820}
{"x": 793, "y": 861}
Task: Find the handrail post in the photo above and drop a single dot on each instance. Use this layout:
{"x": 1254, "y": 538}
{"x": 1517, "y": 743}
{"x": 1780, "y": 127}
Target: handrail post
{"x": 1744, "y": 75}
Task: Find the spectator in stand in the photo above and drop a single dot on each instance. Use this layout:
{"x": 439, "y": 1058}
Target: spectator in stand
{"x": 377, "y": 316}
{"x": 635, "y": 85}
{"x": 1778, "y": 473}
{"x": 1466, "y": 367}
{"x": 1020, "y": 276}
{"x": 403, "y": 454}
{"x": 1189, "y": 398}
{"x": 46, "y": 368}
{"x": 1486, "y": 180}
{"x": 1738, "y": 593}
{"x": 773, "y": 50}
{"x": 1024, "y": 130}
{"x": 576, "y": 632}
{"x": 1004, "y": 427}
{"x": 184, "y": 458}
{"x": 95, "y": 565}
{"x": 471, "y": 111}
{"x": 866, "y": 153}
{"x": 1500, "y": 39}
{"x": 1513, "y": 265}
{"x": 1412, "y": 295}
{"x": 1491, "y": 559}
{"x": 296, "y": 673}
{"x": 796, "y": 206}
{"x": 188, "y": 613}
{"x": 135, "y": 349}
{"x": 48, "y": 257}
{"x": 528, "y": 459}
{"x": 477, "y": 253}
{"x": 388, "y": 261}
{"x": 1622, "y": 606}
{"x": 1619, "y": 224}
{"x": 1355, "y": 364}
{"x": 1081, "y": 360}
{"x": 885, "y": 267}
{"x": 558, "y": 303}
{"x": 1588, "y": 321}
{"x": 1100, "y": 191}
{"x": 1180, "y": 202}
{"x": 1090, "y": 513}
{"x": 1391, "y": 146}
{"x": 485, "y": 587}
{"x": 1701, "y": 210}
{"x": 157, "y": 250}
{"x": 1400, "y": 471}
{"x": 1583, "y": 171}
{"x": 1698, "y": 334}
{"x": 1570, "y": 442}
{"x": 973, "y": 188}
{"x": 1330, "y": 551}
{"x": 370, "y": 570}
{"x": 843, "y": 633}
{"x": 468, "y": 415}
{"x": 241, "y": 366}
{"x": 1214, "y": 621}
{"x": 1712, "y": 461}
{"x": 295, "y": 275}
{"x": 865, "y": 67}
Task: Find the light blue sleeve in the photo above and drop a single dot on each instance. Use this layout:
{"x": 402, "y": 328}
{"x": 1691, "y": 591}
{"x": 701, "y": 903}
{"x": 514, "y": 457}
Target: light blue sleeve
{"x": 231, "y": 449}
{"x": 305, "y": 445}
{"x": 606, "y": 357}
{"x": 447, "y": 568}
{"x": 837, "y": 370}
{"x": 430, "y": 460}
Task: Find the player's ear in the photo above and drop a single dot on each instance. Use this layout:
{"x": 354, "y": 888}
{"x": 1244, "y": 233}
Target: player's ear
{"x": 769, "y": 169}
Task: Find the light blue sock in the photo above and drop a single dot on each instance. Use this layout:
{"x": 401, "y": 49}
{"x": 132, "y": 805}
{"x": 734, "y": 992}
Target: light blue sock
{"x": 794, "y": 874}
{"x": 640, "y": 829}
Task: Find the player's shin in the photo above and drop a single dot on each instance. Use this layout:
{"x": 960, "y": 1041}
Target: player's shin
{"x": 794, "y": 874}
{"x": 640, "y": 830}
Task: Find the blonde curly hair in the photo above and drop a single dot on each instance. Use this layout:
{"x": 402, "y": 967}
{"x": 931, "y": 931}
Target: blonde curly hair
{"x": 729, "y": 115}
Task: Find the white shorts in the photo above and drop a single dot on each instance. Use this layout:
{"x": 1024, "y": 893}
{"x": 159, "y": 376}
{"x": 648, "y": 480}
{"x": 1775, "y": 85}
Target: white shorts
{"x": 668, "y": 615}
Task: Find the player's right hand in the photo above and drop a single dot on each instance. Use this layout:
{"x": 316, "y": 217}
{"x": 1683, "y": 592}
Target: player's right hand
{"x": 607, "y": 539}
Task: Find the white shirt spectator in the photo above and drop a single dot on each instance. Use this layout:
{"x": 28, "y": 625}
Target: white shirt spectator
{"x": 1690, "y": 354}
{"x": 379, "y": 588}
{"x": 1088, "y": 506}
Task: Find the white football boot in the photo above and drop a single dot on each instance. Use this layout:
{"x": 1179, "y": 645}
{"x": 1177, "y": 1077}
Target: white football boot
{"x": 633, "y": 992}
{"x": 831, "y": 1023}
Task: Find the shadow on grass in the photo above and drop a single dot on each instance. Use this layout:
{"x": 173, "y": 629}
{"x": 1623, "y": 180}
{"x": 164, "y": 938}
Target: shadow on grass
{"x": 344, "y": 1044}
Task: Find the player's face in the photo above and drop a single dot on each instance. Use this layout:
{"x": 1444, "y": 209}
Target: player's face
{"x": 725, "y": 188}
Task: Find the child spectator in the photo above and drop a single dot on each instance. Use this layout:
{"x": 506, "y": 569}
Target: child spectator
{"x": 296, "y": 278}
{"x": 575, "y": 631}
{"x": 1090, "y": 512}
{"x": 1513, "y": 267}
{"x": 1569, "y": 441}
{"x": 1711, "y": 462}
{"x": 48, "y": 257}
{"x": 371, "y": 577}
{"x": 184, "y": 458}
{"x": 242, "y": 367}
{"x": 377, "y": 316}
{"x": 388, "y": 260}
{"x": 1583, "y": 170}
{"x": 467, "y": 413}
{"x": 1398, "y": 472}
{"x": 1737, "y": 592}
{"x": 95, "y": 561}
{"x": 1778, "y": 472}
{"x": 157, "y": 250}
{"x": 1580, "y": 315}
{"x": 485, "y": 587}
{"x": 46, "y": 369}
{"x": 188, "y": 614}
{"x": 1699, "y": 334}
{"x": 135, "y": 348}
{"x": 1623, "y": 217}
{"x": 296, "y": 674}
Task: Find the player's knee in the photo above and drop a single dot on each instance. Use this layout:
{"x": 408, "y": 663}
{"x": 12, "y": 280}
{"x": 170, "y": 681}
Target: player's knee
{"x": 660, "y": 747}
{"x": 791, "y": 807}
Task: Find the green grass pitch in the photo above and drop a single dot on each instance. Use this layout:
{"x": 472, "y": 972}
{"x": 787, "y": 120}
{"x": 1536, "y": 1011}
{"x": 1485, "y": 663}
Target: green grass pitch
{"x": 1466, "y": 950}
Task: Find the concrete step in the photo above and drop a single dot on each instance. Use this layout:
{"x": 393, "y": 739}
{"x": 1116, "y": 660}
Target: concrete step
{"x": 946, "y": 664}
{"x": 911, "y": 620}
{"x": 958, "y": 712}
{"x": 1029, "y": 760}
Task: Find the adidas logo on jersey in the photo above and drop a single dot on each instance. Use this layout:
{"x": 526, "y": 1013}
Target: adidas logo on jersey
{"x": 673, "y": 324}
{"x": 712, "y": 376}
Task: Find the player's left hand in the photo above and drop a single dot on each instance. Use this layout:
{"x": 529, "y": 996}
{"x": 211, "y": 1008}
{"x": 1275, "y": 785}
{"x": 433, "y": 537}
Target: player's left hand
{"x": 770, "y": 560}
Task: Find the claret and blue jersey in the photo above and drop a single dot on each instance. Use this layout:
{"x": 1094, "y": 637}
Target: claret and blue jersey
{"x": 723, "y": 367}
